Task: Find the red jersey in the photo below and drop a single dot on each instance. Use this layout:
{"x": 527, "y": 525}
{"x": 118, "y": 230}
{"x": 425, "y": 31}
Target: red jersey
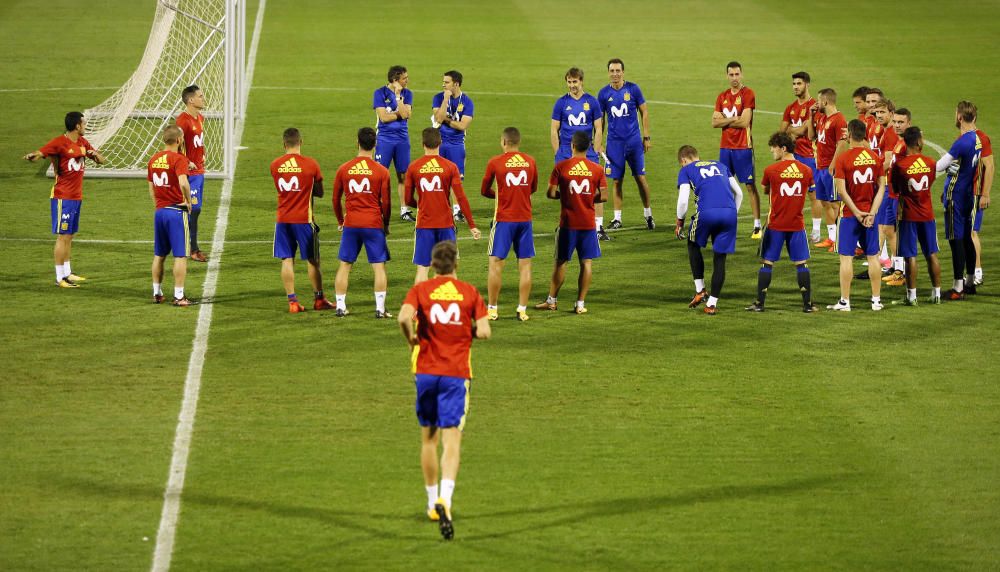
{"x": 881, "y": 138}
{"x": 517, "y": 178}
{"x": 67, "y": 159}
{"x": 164, "y": 171}
{"x": 732, "y": 105}
{"x": 913, "y": 177}
{"x": 429, "y": 182}
{"x": 829, "y": 131}
{"x": 194, "y": 139}
{"x": 294, "y": 176}
{"x": 987, "y": 151}
{"x": 446, "y": 310}
{"x": 580, "y": 183}
{"x": 796, "y": 115}
{"x": 787, "y": 183}
{"x": 366, "y": 185}
{"x": 860, "y": 169}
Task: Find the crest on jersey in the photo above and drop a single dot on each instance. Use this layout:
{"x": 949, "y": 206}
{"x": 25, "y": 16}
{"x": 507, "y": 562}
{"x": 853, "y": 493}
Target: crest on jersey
{"x": 628, "y": 96}
{"x": 460, "y": 108}
{"x": 586, "y": 106}
{"x": 739, "y": 100}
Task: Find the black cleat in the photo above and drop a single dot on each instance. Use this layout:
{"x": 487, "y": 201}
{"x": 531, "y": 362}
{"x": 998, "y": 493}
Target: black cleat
{"x": 755, "y": 307}
{"x": 407, "y": 217}
{"x": 382, "y": 315}
{"x": 444, "y": 521}
{"x": 459, "y": 217}
{"x": 809, "y": 308}
{"x": 602, "y": 234}
{"x": 650, "y": 223}
{"x": 863, "y": 275}
{"x": 615, "y": 225}
{"x": 969, "y": 289}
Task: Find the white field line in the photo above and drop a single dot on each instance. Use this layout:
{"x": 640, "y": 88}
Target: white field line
{"x": 166, "y": 533}
{"x": 43, "y": 89}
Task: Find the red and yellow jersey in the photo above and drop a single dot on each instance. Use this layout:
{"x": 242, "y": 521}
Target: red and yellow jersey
{"x": 294, "y": 176}
{"x": 787, "y": 182}
{"x": 829, "y": 132}
{"x": 164, "y": 171}
{"x": 517, "y": 178}
{"x": 986, "y": 152}
{"x": 446, "y": 310}
{"x": 194, "y": 139}
{"x": 365, "y": 184}
{"x": 732, "y": 105}
{"x": 68, "y": 159}
{"x": 860, "y": 169}
{"x": 913, "y": 176}
{"x": 796, "y": 114}
{"x": 430, "y": 180}
{"x": 580, "y": 183}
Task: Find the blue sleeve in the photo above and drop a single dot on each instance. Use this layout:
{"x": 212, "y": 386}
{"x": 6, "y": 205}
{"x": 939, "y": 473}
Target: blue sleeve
{"x": 957, "y": 148}
{"x": 436, "y": 101}
{"x": 469, "y": 108}
{"x": 557, "y": 110}
{"x": 407, "y": 97}
{"x": 596, "y": 111}
{"x": 682, "y": 178}
{"x": 377, "y": 99}
{"x": 637, "y": 95}
{"x": 601, "y": 98}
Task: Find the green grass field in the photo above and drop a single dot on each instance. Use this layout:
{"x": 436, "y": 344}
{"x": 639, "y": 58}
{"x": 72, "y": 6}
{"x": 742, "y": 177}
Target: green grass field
{"x": 640, "y": 436}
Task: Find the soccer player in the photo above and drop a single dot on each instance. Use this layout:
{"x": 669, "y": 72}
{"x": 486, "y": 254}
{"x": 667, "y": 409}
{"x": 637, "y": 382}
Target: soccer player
{"x": 959, "y": 197}
{"x": 860, "y": 183}
{"x": 831, "y": 133}
{"x": 797, "y": 122}
{"x": 883, "y": 141}
{"x": 453, "y": 111}
{"x": 430, "y": 180}
{"x": 786, "y": 182}
{"x": 365, "y": 183}
{"x": 913, "y": 177}
{"x": 717, "y": 199}
{"x": 516, "y": 177}
{"x": 297, "y": 179}
{"x": 860, "y": 102}
{"x": 393, "y": 104}
{"x": 192, "y": 123}
{"x": 734, "y": 115}
{"x": 167, "y": 173}
{"x": 622, "y": 104}
{"x": 68, "y": 153}
{"x": 579, "y": 184}
{"x": 987, "y": 169}
{"x": 439, "y": 319}
{"x": 578, "y": 111}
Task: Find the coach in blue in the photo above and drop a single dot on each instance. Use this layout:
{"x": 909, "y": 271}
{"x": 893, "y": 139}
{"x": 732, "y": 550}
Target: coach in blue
{"x": 393, "y": 104}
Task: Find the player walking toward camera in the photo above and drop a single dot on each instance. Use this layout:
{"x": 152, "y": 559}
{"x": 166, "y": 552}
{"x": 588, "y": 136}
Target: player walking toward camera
{"x": 430, "y": 180}
{"x": 453, "y": 111}
{"x": 192, "y": 123}
{"x": 860, "y": 183}
{"x": 717, "y": 197}
{"x": 831, "y": 131}
{"x": 297, "y": 179}
{"x": 797, "y": 121}
{"x": 449, "y": 313}
{"x": 516, "y": 179}
{"x": 365, "y": 184}
{"x": 786, "y": 182}
{"x": 733, "y": 114}
{"x": 393, "y": 104}
{"x": 68, "y": 154}
{"x": 622, "y": 105}
{"x": 167, "y": 173}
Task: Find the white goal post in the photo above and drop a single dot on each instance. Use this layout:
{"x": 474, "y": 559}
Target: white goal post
{"x": 191, "y": 42}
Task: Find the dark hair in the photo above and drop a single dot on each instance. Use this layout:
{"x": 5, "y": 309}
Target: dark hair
{"x": 687, "y": 152}
{"x": 734, "y": 64}
{"x": 73, "y": 118}
{"x": 189, "y": 92}
{"x": 366, "y": 138}
{"x": 172, "y": 135}
{"x": 782, "y": 140}
{"x": 860, "y": 92}
{"x": 911, "y": 136}
{"x": 581, "y": 141}
{"x": 904, "y": 111}
{"x": 616, "y": 61}
{"x": 291, "y": 137}
{"x": 431, "y": 138}
{"x": 395, "y": 72}
{"x": 455, "y": 76}
{"x": 443, "y": 257}
{"x": 512, "y": 136}
{"x": 967, "y": 111}
{"x": 801, "y": 75}
{"x": 877, "y": 91}
{"x": 574, "y": 72}
{"x": 829, "y": 94}
{"x": 856, "y": 130}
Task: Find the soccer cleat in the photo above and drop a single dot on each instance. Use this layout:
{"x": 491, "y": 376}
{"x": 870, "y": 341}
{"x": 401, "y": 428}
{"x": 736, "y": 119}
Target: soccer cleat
{"x": 323, "y": 304}
{"x": 67, "y": 283}
{"x": 382, "y": 314}
{"x": 904, "y": 302}
{"x": 710, "y": 310}
{"x": 580, "y": 309}
{"x": 889, "y": 276}
{"x": 342, "y": 312}
{"x": 432, "y": 514}
{"x": 459, "y": 217}
{"x": 954, "y": 296}
{"x": 182, "y": 302}
{"x": 757, "y": 233}
{"x": 544, "y": 305}
{"x": 858, "y": 251}
{"x": 832, "y": 249}
{"x": 75, "y": 278}
{"x": 932, "y": 299}
{"x": 199, "y": 256}
{"x": 886, "y": 262}
{"x": 876, "y": 306}
{"x": 602, "y": 234}
{"x": 615, "y": 225}
{"x": 969, "y": 289}
{"x": 523, "y": 316}
{"x": 157, "y": 298}
{"x": 814, "y": 237}
{"x": 295, "y": 308}
{"x": 895, "y": 279}
{"x": 698, "y": 299}
{"x": 977, "y": 281}
{"x": 755, "y": 307}
{"x": 863, "y": 275}
{"x": 650, "y": 223}
{"x": 444, "y": 520}
{"x": 840, "y": 306}
{"x": 825, "y": 243}
{"x": 809, "y": 308}
{"x": 492, "y": 314}
{"x": 407, "y": 217}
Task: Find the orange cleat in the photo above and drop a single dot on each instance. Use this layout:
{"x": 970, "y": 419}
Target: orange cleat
{"x": 295, "y": 308}
{"x": 323, "y": 304}
{"x": 698, "y": 299}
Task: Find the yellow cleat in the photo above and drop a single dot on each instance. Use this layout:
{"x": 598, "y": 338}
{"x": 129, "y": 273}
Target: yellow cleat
{"x": 895, "y": 279}
{"x": 432, "y": 514}
{"x": 581, "y": 310}
{"x": 757, "y": 233}
{"x": 444, "y": 519}
{"x": 75, "y": 278}
{"x": 493, "y": 314}
{"x": 523, "y": 317}
{"x": 67, "y": 283}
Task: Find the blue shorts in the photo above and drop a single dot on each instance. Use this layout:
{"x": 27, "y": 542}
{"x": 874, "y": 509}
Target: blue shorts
{"x": 887, "y": 211}
{"x": 197, "y": 183}
{"x": 373, "y": 240}
{"x": 825, "y": 190}
{"x": 717, "y": 224}
{"x": 565, "y": 152}
{"x": 977, "y": 224}
{"x": 397, "y": 152}
{"x": 774, "y": 240}
{"x": 851, "y": 233}
{"x": 910, "y": 233}
{"x": 739, "y": 162}
{"x": 958, "y": 218}
{"x": 442, "y": 401}
{"x": 456, "y": 154}
{"x": 424, "y": 240}
{"x": 621, "y": 153}
{"x": 65, "y": 216}
{"x": 170, "y": 234}
{"x": 811, "y": 163}
{"x": 289, "y": 235}
{"x": 516, "y": 234}
{"x": 583, "y": 242}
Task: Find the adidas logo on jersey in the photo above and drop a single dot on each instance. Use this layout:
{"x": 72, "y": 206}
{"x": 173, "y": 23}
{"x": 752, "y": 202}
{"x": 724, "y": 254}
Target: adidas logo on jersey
{"x": 517, "y": 161}
{"x": 360, "y": 168}
{"x": 580, "y": 169}
{"x": 161, "y": 163}
{"x": 864, "y": 158}
{"x": 918, "y": 167}
{"x": 792, "y": 172}
{"x": 447, "y": 291}
{"x": 290, "y": 166}
{"x": 432, "y": 166}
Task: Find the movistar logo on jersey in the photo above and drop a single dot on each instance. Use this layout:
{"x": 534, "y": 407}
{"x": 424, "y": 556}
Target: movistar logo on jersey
{"x": 620, "y": 111}
{"x": 864, "y": 158}
{"x": 580, "y": 170}
{"x": 517, "y": 161}
{"x": 360, "y": 168}
{"x": 792, "y": 172}
{"x": 290, "y": 166}
{"x": 919, "y": 166}
{"x": 432, "y": 166}
{"x": 447, "y": 291}
{"x": 161, "y": 163}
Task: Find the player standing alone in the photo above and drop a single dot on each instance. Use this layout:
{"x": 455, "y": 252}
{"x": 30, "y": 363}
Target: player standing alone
{"x": 192, "y": 123}
{"x": 167, "y": 173}
{"x": 393, "y": 104}
{"x": 734, "y": 115}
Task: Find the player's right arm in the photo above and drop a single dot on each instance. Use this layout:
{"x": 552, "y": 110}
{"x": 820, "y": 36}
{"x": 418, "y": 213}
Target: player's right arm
{"x": 734, "y": 186}
{"x": 403, "y": 107}
{"x": 486, "y": 189}
{"x": 408, "y": 186}
{"x": 338, "y": 193}
{"x": 405, "y": 319}
{"x": 719, "y": 120}
{"x": 483, "y": 331}
{"x": 989, "y": 170}
{"x": 185, "y": 189}
{"x": 554, "y": 135}
{"x": 553, "y": 191}
{"x": 152, "y": 192}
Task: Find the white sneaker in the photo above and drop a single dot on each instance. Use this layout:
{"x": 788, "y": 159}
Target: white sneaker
{"x": 876, "y": 306}
{"x": 840, "y": 306}
{"x": 814, "y": 236}
{"x": 978, "y": 281}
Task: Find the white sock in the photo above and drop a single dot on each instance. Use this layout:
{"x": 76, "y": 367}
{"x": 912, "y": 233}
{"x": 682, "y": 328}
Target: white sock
{"x": 522, "y": 308}
{"x": 699, "y": 284}
{"x": 600, "y": 221}
{"x": 979, "y": 274}
{"x": 959, "y": 285}
{"x": 379, "y": 301}
{"x": 648, "y": 211}
{"x": 885, "y": 251}
{"x": 618, "y": 216}
{"x": 403, "y": 210}
{"x": 712, "y": 301}
{"x": 341, "y": 301}
{"x": 579, "y": 303}
{"x": 550, "y": 300}
{"x": 59, "y": 273}
{"x": 911, "y": 293}
{"x": 447, "y": 488}
{"x": 488, "y": 307}
{"x": 66, "y": 269}
{"x": 831, "y": 231}
{"x": 816, "y": 223}
{"x": 432, "y": 495}
{"x": 178, "y": 293}
{"x": 455, "y": 208}
{"x": 756, "y": 223}
{"x": 157, "y": 289}
{"x": 937, "y": 291}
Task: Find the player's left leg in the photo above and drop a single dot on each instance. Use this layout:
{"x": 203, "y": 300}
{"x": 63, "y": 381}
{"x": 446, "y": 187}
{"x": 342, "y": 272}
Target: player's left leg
{"x": 197, "y": 183}
{"x": 429, "y": 438}
{"x": 157, "y": 271}
{"x": 493, "y": 285}
{"x": 583, "y": 285}
{"x": 635, "y": 157}
{"x": 180, "y": 273}
{"x": 340, "y": 284}
{"x": 523, "y": 287}
{"x": 616, "y": 196}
